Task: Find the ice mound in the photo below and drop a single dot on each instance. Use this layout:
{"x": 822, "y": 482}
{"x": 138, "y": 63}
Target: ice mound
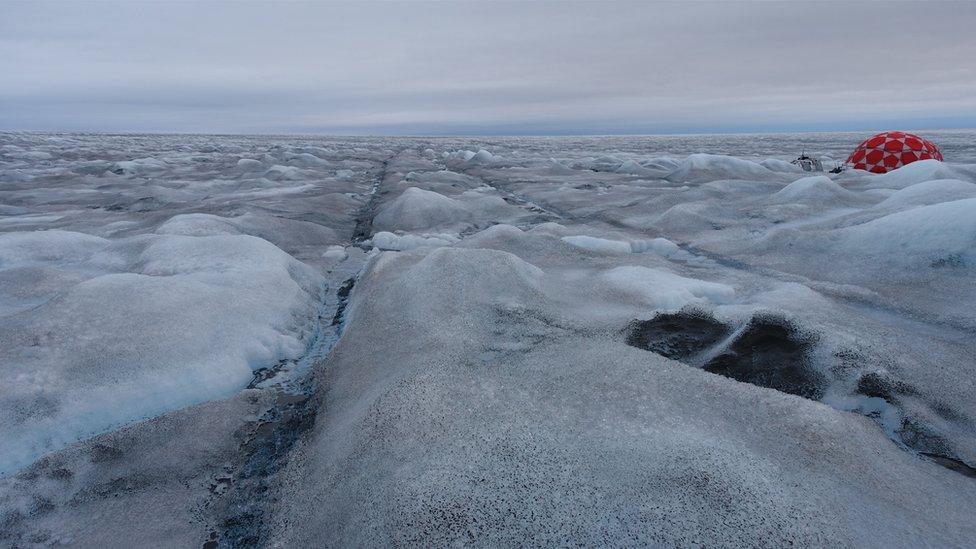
{"x": 929, "y": 192}
{"x": 733, "y": 188}
{"x": 910, "y": 174}
{"x": 777, "y": 165}
{"x": 470, "y": 158}
{"x": 690, "y": 217}
{"x": 14, "y": 176}
{"x": 659, "y": 246}
{"x": 289, "y": 234}
{"x": 28, "y": 155}
{"x": 484, "y": 203}
{"x": 701, "y": 168}
{"x": 181, "y": 320}
{"x": 501, "y": 236}
{"x": 448, "y": 273}
{"x": 345, "y": 175}
{"x": 500, "y": 275}
{"x": 34, "y": 266}
{"x": 139, "y": 166}
{"x": 462, "y": 155}
{"x": 818, "y": 188}
{"x": 482, "y": 157}
{"x": 556, "y": 167}
{"x": 198, "y": 224}
{"x": 92, "y": 167}
{"x": 250, "y": 165}
{"x": 280, "y": 172}
{"x": 632, "y": 167}
{"x": 495, "y": 424}
{"x": 663, "y": 163}
{"x": 612, "y": 163}
{"x": 602, "y": 163}
{"x": 419, "y": 209}
{"x": 307, "y": 160}
{"x": 18, "y": 249}
{"x": 444, "y": 178}
{"x": 389, "y": 241}
{"x": 936, "y": 234}
{"x": 13, "y": 210}
{"x": 663, "y": 290}
{"x": 321, "y": 152}
{"x": 335, "y": 252}
{"x": 595, "y": 244}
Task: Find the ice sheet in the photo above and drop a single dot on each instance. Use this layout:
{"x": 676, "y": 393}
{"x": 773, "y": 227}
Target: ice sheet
{"x": 486, "y": 386}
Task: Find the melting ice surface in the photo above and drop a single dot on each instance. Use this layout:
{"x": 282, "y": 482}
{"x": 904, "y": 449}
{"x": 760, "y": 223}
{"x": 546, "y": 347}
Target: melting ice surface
{"x": 607, "y": 341}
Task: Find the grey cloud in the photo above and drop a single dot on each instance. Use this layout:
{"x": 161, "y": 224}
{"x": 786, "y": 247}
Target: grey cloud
{"x": 492, "y": 67}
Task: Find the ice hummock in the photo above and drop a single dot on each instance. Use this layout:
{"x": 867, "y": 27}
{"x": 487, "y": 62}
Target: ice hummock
{"x": 699, "y": 168}
{"x": 132, "y": 328}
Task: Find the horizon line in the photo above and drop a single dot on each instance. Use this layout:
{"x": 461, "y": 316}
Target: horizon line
{"x": 462, "y": 135}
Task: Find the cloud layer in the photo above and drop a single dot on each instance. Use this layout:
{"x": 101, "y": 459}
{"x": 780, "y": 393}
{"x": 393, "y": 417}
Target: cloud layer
{"x": 485, "y": 67}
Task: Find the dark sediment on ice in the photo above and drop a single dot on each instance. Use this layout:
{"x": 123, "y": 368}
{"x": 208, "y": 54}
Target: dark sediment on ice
{"x": 677, "y": 335}
{"x": 343, "y": 295}
{"x": 768, "y": 352}
{"x": 249, "y": 489}
{"x": 771, "y": 352}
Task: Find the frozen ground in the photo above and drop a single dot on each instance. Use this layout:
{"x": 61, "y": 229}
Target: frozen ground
{"x": 225, "y": 341}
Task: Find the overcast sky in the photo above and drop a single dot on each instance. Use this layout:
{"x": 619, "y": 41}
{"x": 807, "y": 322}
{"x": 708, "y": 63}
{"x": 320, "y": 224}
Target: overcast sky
{"x": 486, "y": 67}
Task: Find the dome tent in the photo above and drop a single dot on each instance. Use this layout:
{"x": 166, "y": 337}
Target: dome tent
{"x": 888, "y": 151}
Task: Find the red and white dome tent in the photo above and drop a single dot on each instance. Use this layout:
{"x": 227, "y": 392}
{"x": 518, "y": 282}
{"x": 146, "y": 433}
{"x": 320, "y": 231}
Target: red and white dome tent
{"x": 891, "y": 150}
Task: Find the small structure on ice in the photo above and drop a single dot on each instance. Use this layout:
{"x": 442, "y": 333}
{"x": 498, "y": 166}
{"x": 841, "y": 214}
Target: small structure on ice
{"x": 808, "y": 163}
